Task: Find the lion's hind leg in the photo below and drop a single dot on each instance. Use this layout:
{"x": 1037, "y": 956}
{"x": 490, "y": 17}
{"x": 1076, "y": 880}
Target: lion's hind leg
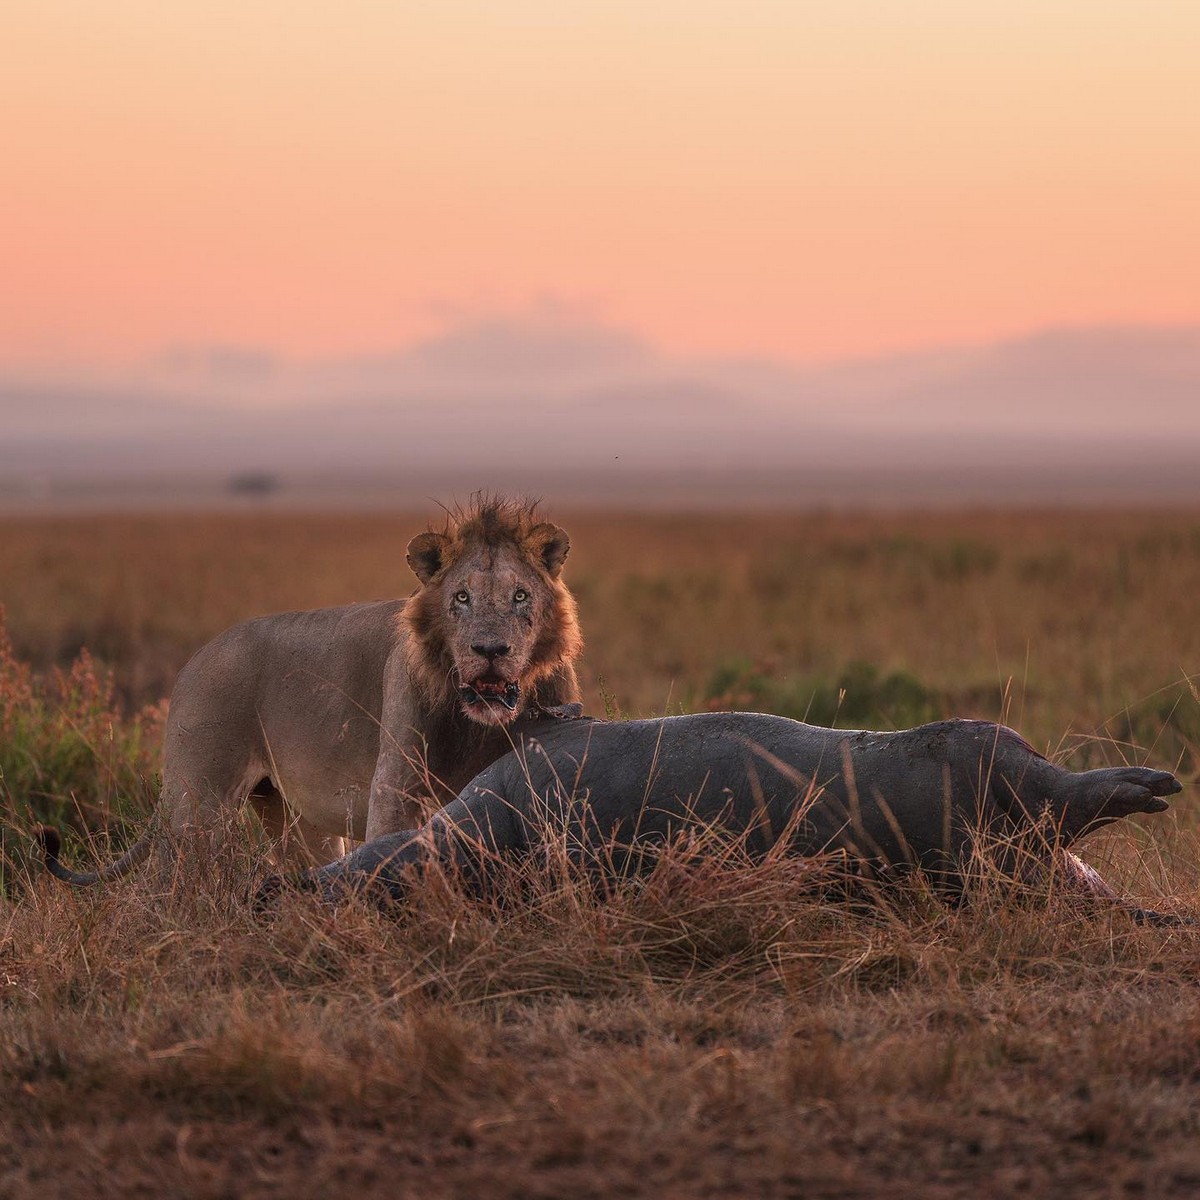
{"x": 202, "y": 820}
{"x": 295, "y": 842}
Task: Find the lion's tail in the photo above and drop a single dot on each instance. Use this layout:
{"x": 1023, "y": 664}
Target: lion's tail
{"x": 52, "y": 845}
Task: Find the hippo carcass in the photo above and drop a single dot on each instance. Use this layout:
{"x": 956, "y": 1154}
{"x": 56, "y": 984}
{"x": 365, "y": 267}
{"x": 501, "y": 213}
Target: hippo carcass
{"x": 925, "y": 798}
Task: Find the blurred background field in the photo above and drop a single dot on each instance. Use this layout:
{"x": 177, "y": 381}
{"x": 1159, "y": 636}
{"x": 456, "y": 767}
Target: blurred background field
{"x": 1087, "y": 622}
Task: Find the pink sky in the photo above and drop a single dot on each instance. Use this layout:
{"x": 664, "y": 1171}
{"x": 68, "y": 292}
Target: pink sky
{"x": 799, "y": 179}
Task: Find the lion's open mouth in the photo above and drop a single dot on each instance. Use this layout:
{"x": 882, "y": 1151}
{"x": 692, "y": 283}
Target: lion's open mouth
{"x": 491, "y": 691}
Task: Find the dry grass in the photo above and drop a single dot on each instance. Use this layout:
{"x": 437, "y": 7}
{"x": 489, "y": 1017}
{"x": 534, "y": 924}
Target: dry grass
{"x": 714, "y": 1030}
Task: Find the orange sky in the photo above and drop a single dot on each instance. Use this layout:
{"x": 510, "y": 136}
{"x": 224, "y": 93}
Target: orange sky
{"x": 800, "y": 178}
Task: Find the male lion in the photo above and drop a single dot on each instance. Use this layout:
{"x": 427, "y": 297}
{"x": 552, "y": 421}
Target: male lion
{"x": 351, "y": 721}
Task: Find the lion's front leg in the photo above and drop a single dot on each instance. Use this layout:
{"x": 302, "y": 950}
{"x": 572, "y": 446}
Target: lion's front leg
{"x": 402, "y": 790}
{"x": 402, "y": 795}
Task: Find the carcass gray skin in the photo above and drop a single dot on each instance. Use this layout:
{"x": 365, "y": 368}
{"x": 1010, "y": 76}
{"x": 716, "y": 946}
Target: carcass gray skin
{"x": 916, "y": 798}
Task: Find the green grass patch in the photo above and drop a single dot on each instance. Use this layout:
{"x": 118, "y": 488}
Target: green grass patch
{"x": 68, "y": 757}
{"x": 861, "y": 694}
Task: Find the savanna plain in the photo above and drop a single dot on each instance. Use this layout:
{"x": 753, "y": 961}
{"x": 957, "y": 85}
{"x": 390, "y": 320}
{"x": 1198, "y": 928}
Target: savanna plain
{"x": 712, "y": 1030}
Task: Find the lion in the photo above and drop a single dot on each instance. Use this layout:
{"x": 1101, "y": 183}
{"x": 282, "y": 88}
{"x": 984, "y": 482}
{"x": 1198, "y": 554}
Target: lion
{"x": 352, "y": 722}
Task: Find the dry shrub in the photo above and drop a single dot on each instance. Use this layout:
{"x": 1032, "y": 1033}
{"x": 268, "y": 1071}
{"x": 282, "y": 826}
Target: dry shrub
{"x": 68, "y": 757}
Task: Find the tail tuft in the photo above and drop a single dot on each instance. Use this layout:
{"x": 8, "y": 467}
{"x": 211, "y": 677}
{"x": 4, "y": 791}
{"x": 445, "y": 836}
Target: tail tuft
{"x": 51, "y": 845}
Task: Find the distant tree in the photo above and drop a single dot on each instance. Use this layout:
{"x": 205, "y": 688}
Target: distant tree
{"x": 253, "y": 483}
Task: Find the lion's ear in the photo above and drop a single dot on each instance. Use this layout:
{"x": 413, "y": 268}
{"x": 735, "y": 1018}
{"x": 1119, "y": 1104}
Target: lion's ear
{"x": 550, "y": 544}
{"x": 425, "y": 554}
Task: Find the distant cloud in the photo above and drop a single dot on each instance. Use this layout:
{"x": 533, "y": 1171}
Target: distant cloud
{"x": 209, "y": 364}
{"x": 1094, "y": 383}
{"x": 522, "y": 353}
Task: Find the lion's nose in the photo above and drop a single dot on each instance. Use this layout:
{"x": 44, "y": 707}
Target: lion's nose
{"x": 491, "y": 650}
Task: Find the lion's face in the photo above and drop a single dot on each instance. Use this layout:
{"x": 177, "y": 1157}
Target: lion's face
{"x": 493, "y": 616}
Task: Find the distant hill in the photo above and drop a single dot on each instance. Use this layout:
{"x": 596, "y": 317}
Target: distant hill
{"x": 1072, "y": 415}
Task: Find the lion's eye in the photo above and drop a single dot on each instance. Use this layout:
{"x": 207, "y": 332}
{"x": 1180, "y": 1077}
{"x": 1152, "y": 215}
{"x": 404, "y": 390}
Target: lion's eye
{"x": 462, "y": 597}
{"x": 520, "y": 596}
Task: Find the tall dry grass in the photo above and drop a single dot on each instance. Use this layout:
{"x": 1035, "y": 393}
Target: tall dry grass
{"x": 714, "y": 1029}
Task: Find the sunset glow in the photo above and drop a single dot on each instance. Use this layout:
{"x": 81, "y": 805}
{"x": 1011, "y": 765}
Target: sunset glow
{"x": 802, "y": 180}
